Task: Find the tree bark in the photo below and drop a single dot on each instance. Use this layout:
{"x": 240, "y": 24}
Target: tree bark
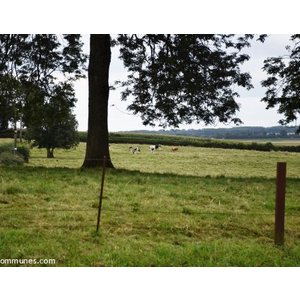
{"x": 98, "y": 75}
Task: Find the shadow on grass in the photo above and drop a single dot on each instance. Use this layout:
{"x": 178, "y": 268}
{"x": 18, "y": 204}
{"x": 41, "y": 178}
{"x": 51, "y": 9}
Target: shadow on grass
{"x": 136, "y": 173}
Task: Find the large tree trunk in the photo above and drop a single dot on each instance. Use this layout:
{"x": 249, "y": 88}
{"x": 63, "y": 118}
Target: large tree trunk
{"x": 97, "y": 139}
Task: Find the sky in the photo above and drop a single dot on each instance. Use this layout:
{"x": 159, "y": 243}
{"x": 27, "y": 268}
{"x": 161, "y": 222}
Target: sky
{"x": 252, "y": 112}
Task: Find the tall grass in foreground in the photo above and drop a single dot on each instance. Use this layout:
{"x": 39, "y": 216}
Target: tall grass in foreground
{"x": 194, "y": 207}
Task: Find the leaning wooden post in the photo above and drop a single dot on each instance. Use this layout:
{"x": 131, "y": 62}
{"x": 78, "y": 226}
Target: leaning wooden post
{"x": 280, "y": 203}
{"x": 101, "y": 192}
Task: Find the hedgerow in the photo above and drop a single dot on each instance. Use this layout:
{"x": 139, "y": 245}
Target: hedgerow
{"x": 171, "y": 140}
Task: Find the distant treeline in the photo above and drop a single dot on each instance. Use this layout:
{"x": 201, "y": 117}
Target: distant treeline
{"x": 250, "y": 132}
{"x": 242, "y": 132}
{"x": 172, "y": 140}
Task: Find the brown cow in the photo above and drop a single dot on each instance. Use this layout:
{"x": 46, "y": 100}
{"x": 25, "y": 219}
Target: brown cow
{"x": 174, "y": 149}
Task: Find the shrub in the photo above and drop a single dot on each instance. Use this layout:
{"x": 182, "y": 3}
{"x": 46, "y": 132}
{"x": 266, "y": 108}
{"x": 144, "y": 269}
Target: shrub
{"x": 23, "y": 150}
{"x": 82, "y": 136}
{"x": 8, "y": 159}
{"x": 7, "y": 151}
{"x": 6, "y": 148}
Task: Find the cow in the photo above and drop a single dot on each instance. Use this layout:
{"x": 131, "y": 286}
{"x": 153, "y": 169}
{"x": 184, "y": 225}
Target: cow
{"x": 174, "y": 149}
{"x": 152, "y": 148}
{"x": 134, "y": 150}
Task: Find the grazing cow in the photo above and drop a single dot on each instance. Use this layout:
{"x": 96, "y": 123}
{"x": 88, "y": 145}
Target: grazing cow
{"x": 174, "y": 149}
{"x": 152, "y": 148}
{"x": 134, "y": 150}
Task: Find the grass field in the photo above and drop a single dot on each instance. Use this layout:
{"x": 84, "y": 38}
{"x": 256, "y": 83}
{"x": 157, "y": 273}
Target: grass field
{"x": 277, "y": 142}
{"x": 194, "y": 207}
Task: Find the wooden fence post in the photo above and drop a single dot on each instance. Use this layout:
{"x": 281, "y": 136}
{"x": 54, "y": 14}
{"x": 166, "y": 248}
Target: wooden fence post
{"x": 101, "y": 192}
{"x": 280, "y": 203}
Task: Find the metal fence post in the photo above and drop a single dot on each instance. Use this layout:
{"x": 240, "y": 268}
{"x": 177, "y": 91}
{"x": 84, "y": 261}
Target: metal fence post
{"x": 101, "y": 192}
{"x": 280, "y": 203}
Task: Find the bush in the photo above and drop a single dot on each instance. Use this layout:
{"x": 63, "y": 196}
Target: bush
{"x": 8, "y": 159}
{"x": 82, "y": 136}
{"x": 24, "y": 151}
{"x": 6, "y": 148}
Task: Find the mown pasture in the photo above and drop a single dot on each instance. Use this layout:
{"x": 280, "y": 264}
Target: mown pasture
{"x": 194, "y": 207}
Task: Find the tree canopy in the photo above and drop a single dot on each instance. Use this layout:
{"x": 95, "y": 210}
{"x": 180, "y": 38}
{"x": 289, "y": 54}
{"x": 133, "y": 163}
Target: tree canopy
{"x": 283, "y": 83}
{"x": 42, "y": 65}
{"x": 52, "y": 134}
{"x": 183, "y": 78}
{"x": 37, "y": 72}
{"x": 11, "y": 96}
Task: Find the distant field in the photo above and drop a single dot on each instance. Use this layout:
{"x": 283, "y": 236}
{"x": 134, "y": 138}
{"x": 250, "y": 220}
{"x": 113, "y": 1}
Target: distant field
{"x": 259, "y": 144}
{"x": 192, "y": 161}
{"x": 164, "y": 139}
{"x": 285, "y": 142}
{"x": 194, "y": 207}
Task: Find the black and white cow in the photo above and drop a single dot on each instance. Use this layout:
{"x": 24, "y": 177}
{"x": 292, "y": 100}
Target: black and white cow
{"x": 152, "y": 148}
{"x": 134, "y": 150}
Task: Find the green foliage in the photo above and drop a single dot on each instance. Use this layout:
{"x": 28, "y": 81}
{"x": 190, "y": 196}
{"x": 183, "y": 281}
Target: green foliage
{"x": 136, "y": 138}
{"x": 6, "y": 147}
{"x": 24, "y": 151}
{"x": 181, "y": 78}
{"x": 238, "y": 132}
{"x": 37, "y": 75}
{"x": 82, "y": 136}
{"x": 37, "y": 57}
{"x": 9, "y": 159}
{"x": 56, "y": 133}
{"x": 11, "y": 99}
{"x": 283, "y": 89}
{"x": 3, "y": 116}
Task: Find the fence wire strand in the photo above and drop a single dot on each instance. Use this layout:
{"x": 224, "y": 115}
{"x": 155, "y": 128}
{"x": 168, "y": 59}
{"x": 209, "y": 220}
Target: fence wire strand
{"x": 79, "y": 224}
{"x": 137, "y": 211}
{"x": 144, "y": 211}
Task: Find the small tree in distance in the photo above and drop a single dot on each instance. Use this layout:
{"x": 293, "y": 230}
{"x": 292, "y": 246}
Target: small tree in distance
{"x": 61, "y": 135}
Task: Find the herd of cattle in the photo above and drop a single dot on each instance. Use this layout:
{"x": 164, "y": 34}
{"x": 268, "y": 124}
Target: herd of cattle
{"x": 152, "y": 148}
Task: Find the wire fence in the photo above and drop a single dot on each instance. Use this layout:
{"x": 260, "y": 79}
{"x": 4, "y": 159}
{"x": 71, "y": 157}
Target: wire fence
{"x": 137, "y": 212}
{"x": 134, "y": 210}
{"x": 229, "y": 223}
